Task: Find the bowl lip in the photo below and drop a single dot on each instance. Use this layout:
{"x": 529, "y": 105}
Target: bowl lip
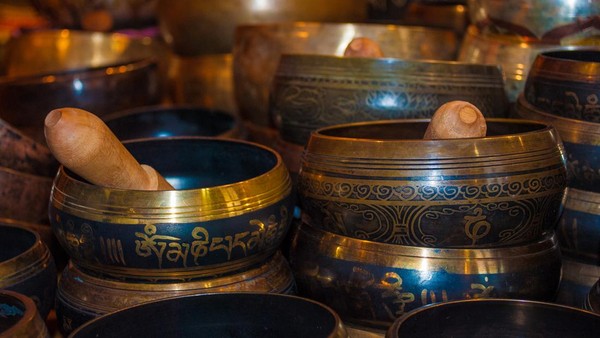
{"x": 507, "y": 40}
{"x": 29, "y": 314}
{"x": 338, "y": 324}
{"x": 518, "y": 302}
{"x": 37, "y": 242}
{"x": 548, "y": 55}
{"x": 549, "y": 119}
{"x": 193, "y": 191}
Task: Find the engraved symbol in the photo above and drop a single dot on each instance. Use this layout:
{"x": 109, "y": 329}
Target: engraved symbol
{"x": 476, "y": 226}
{"x": 480, "y": 291}
{"x": 432, "y": 297}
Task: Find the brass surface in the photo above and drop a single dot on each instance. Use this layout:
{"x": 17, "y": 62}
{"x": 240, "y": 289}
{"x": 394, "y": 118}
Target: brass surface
{"x": 31, "y": 324}
{"x": 27, "y": 264}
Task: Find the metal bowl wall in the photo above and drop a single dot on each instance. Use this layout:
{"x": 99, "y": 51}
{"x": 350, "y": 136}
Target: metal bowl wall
{"x": 566, "y": 83}
{"x": 381, "y": 181}
{"x": 24, "y": 196}
{"x": 576, "y": 282}
{"x": 193, "y": 27}
{"x": 314, "y": 91}
{"x": 220, "y": 315}
{"x": 81, "y": 296}
{"x": 579, "y": 227}
{"x": 98, "y": 72}
{"x": 19, "y": 317}
{"x": 593, "y": 298}
{"x": 26, "y": 266}
{"x": 580, "y": 139}
{"x": 168, "y": 121}
{"x": 232, "y": 208}
{"x": 258, "y": 48}
{"x": 493, "y": 317}
{"x": 371, "y": 284}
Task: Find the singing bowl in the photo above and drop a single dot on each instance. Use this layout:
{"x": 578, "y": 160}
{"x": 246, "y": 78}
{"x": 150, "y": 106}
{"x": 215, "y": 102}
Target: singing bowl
{"x": 82, "y": 296}
{"x": 193, "y": 27}
{"x": 21, "y": 153}
{"x": 576, "y": 282}
{"x": 103, "y": 15}
{"x": 19, "y": 317}
{"x": 314, "y": 91}
{"x": 371, "y": 284}
{"x": 220, "y": 315}
{"x": 203, "y": 80}
{"x": 175, "y": 120}
{"x": 566, "y": 83}
{"x": 381, "y": 181}
{"x": 99, "y": 72}
{"x": 24, "y": 196}
{"x": 257, "y": 50}
{"x": 593, "y": 298}
{"x": 496, "y": 317}
{"x": 580, "y": 140}
{"x": 579, "y": 226}
{"x": 232, "y": 208}
{"x": 26, "y": 266}
{"x": 552, "y": 21}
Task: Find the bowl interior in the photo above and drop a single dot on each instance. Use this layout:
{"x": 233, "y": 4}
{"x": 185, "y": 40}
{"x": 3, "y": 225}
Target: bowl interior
{"x": 165, "y": 122}
{"x": 492, "y": 317}
{"x": 218, "y": 315}
{"x": 584, "y": 55}
{"x": 12, "y": 311}
{"x": 14, "y": 241}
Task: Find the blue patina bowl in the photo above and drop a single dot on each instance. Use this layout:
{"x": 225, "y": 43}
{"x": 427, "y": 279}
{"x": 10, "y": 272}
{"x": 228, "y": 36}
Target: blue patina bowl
{"x": 371, "y": 284}
{"x": 232, "y": 208}
{"x": 19, "y": 316}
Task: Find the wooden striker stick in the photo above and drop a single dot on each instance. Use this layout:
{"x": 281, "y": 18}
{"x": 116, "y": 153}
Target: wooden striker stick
{"x": 363, "y": 47}
{"x": 83, "y": 143}
{"x": 456, "y": 119}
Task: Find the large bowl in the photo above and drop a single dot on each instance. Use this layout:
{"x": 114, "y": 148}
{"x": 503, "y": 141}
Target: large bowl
{"x": 566, "y": 83}
{"x": 232, "y": 208}
{"x": 496, "y": 318}
{"x": 382, "y": 182}
{"x": 371, "y": 284}
{"x": 176, "y": 120}
{"x": 24, "y": 196}
{"x": 576, "y": 282}
{"x": 26, "y": 266}
{"x": 220, "y": 315}
{"x": 98, "y": 72}
{"x": 193, "y": 27}
{"x": 580, "y": 139}
{"x": 314, "y": 91}
{"x": 552, "y": 21}
{"x": 257, "y": 50}
{"x": 579, "y": 227}
{"x": 81, "y": 296}
{"x": 19, "y": 317}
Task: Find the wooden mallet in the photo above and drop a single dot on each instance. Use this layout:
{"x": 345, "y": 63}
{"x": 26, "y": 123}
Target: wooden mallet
{"x": 456, "y": 119}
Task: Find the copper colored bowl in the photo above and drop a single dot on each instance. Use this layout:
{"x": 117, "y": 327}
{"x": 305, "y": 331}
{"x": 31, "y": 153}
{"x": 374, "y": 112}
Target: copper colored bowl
{"x": 19, "y": 317}
{"x": 24, "y": 196}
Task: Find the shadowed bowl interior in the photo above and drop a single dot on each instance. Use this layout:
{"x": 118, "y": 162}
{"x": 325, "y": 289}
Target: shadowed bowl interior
{"x": 19, "y": 316}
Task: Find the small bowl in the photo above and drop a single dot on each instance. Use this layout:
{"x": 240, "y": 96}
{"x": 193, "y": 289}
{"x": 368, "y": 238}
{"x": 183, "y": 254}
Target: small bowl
{"x": 99, "y": 72}
{"x": 371, "y": 284}
{"x": 220, "y": 315}
{"x": 566, "y": 83}
{"x": 258, "y": 48}
{"x": 579, "y": 227}
{"x": 380, "y": 181}
{"x": 24, "y": 196}
{"x": 82, "y": 296}
{"x": 577, "y": 280}
{"x": 580, "y": 140}
{"x": 193, "y": 28}
{"x": 552, "y": 21}
{"x": 168, "y": 121}
{"x": 496, "y": 317}
{"x": 315, "y": 91}
{"x": 232, "y": 208}
{"x": 19, "y": 316}
{"x": 27, "y": 266}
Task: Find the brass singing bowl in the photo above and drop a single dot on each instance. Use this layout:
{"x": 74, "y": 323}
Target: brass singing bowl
{"x": 371, "y": 284}
{"x": 577, "y": 280}
{"x": 593, "y": 298}
{"x": 24, "y": 196}
{"x": 192, "y": 27}
{"x": 99, "y": 72}
{"x": 566, "y": 82}
{"x": 579, "y": 226}
{"x": 381, "y": 181}
{"x": 82, "y": 296}
{"x": 232, "y": 208}
{"x": 580, "y": 140}
{"x": 496, "y": 317}
{"x": 27, "y": 266}
{"x": 315, "y": 91}
{"x": 20, "y": 317}
{"x": 257, "y": 50}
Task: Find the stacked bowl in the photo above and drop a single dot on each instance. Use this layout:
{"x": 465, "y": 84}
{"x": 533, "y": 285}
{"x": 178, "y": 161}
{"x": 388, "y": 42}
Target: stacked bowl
{"x": 219, "y": 231}
{"x": 392, "y": 222}
{"x": 562, "y": 90}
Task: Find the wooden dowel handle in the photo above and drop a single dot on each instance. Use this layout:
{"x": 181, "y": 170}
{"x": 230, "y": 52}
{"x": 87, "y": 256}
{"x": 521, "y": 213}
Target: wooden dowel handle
{"x": 456, "y": 119}
{"x": 363, "y": 47}
{"x": 83, "y": 143}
